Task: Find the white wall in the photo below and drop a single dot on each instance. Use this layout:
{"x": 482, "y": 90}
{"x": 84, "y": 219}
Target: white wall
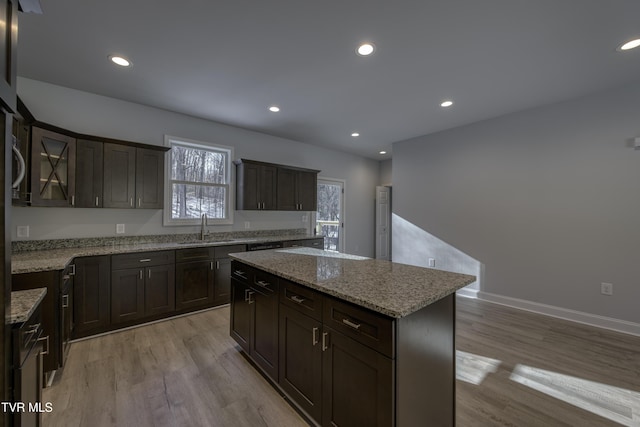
{"x": 98, "y": 115}
{"x": 547, "y": 199}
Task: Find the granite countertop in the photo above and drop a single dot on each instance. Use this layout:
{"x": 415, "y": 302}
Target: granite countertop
{"x": 393, "y": 289}
{"x": 58, "y": 259}
{"x": 24, "y": 303}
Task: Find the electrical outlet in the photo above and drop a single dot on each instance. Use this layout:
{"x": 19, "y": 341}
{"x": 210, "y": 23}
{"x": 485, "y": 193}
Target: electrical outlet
{"x": 22, "y": 231}
{"x": 305, "y": 218}
{"x": 247, "y": 225}
{"x": 606, "y": 288}
{"x": 432, "y": 262}
{"x": 119, "y": 228}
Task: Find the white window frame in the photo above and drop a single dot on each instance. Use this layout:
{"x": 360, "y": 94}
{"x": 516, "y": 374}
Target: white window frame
{"x": 170, "y": 141}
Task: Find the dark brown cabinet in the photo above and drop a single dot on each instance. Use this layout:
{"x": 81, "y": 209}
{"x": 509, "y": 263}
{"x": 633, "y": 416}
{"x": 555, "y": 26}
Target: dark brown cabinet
{"x": 335, "y": 360}
{"x": 142, "y": 285}
{"x": 119, "y": 176}
{"x": 8, "y": 57}
{"x": 89, "y": 174}
{"x": 91, "y": 295}
{"x": 203, "y": 276}
{"x": 149, "y": 178}
{"x": 301, "y": 360}
{"x": 269, "y": 186}
{"x": 50, "y": 313}
{"x": 66, "y": 312}
{"x": 254, "y": 315}
{"x": 256, "y": 185}
{"x": 53, "y": 164}
{"x": 194, "y": 278}
{"x": 297, "y": 189}
{"x": 316, "y": 242}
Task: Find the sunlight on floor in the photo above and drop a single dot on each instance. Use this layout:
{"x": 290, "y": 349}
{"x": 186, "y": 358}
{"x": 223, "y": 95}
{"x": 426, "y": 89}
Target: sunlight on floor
{"x": 614, "y": 403}
{"x": 474, "y": 369}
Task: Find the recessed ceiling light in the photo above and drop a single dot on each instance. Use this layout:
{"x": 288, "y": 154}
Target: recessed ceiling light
{"x": 274, "y": 109}
{"x": 383, "y": 152}
{"x": 119, "y": 60}
{"x": 630, "y": 45}
{"x": 355, "y": 134}
{"x": 446, "y": 104}
{"x": 366, "y": 49}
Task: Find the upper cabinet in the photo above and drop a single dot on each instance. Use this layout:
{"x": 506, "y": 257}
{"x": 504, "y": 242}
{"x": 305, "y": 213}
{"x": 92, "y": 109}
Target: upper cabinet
{"x": 268, "y": 186}
{"x": 74, "y": 170}
{"x": 52, "y": 168}
{"x": 256, "y": 185}
{"x": 89, "y": 174}
{"x": 297, "y": 189}
{"x": 8, "y": 57}
{"x": 133, "y": 177}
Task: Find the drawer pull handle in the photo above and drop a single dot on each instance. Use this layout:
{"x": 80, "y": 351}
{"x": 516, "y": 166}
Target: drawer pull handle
{"x": 44, "y": 352}
{"x": 314, "y": 339}
{"x": 145, "y": 260}
{"x": 33, "y": 328}
{"x": 263, "y": 284}
{"x": 348, "y": 322}
{"x": 250, "y": 301}
{"x": 325, "y": 345}
{"x": 65, "y": 301}
{"x": 296, "y": 298}
{"x": 240, "y": 273}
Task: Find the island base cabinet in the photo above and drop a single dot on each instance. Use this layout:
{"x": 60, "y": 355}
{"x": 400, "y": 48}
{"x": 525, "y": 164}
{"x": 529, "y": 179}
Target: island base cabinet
{"x": 357, "y": 384}
{"x": 301, "y": 360}
{"x": 240, "y": 323}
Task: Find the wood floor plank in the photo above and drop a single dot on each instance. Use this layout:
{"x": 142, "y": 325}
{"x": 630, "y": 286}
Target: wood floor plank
{"x": 515, "y": 368}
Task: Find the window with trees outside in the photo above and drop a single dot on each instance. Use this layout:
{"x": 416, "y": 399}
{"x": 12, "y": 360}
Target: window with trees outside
{"x": 199, "y": 176}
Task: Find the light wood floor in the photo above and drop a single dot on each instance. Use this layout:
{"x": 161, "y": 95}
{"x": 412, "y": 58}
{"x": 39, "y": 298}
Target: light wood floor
{"x": 514, "y": 369}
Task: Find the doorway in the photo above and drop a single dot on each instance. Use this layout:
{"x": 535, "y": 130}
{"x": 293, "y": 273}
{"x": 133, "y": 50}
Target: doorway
{"x": 330, "y": 214}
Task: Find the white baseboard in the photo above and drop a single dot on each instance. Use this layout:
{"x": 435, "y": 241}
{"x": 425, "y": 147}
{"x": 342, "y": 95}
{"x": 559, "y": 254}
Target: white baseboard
{"x": 610, "y": 323}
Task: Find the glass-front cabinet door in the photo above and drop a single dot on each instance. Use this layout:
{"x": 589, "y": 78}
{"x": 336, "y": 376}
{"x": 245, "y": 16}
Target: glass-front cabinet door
{"x": 53, "y": 162}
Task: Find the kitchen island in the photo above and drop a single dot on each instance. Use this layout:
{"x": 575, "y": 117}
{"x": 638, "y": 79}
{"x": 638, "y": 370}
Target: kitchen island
{"x": 351, "y": 341}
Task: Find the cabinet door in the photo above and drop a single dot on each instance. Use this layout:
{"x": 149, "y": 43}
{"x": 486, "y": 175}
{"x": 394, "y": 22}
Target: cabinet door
{"x": 194, "y": 284}
{"x": 119, "y": 176}
{"x": 268, "y": 190}
{"x": 89, "y": 174}
{"x": 91, "y": 294}
{"x": 241, "y": 314}
{"x": 52, "y": 168}
{"x": 301, "y": 360}
{"x": 222, "y": 281}
{"x": 307, "y": 190}
{"x": 357, "y": 383}
{"x": 264, "y": 340}
{"x": 159, "y": 289}
{"x": 127, "y": 294}
{"x": 287, "y": 197}
{"x": 149, "y": 178}
{"x": 8, "y": 58}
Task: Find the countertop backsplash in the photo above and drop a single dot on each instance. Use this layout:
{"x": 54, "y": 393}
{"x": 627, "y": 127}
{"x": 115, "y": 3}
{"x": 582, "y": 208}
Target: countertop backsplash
{"x": 37, "y": 245}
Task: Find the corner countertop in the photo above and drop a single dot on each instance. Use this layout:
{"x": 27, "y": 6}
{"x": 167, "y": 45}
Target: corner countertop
{"x": 24, "y": 303}
{"x": 390, "y": 288}
{"x": 58, "y": 259}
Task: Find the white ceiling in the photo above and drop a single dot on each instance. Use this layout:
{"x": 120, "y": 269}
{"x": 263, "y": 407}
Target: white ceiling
{"x": 228, "y": 60}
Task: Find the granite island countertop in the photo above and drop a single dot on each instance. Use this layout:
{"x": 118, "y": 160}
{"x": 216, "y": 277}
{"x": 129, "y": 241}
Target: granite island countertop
{"x": 390, "y": 288}
{"x": 59, "y": 258}
{"x": 24, "y": 303}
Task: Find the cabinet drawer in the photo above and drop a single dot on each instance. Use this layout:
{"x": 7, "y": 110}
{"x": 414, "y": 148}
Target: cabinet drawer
{"x": 303, "y": 299}
{"x": 224, "y": 251}
{"x": 241, "y": 272}
{"x": 365, "y": 326}
{"x": 194, "y": 254}
{"x": 264, "y": 283}
{"x": 142, "y": 259}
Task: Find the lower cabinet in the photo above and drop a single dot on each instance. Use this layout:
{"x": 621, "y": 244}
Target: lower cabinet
{"x": 142, "y": 285}
{"x": 91, "y": 295}
{"x": 336, "y": 376}
{"x": 254, "y": 316}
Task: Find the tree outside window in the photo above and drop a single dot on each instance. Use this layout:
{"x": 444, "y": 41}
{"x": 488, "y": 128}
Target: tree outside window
{"x": 199, "y": 182}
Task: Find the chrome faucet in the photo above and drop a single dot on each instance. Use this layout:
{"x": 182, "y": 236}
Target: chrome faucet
{"x": 203, "y": 232}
